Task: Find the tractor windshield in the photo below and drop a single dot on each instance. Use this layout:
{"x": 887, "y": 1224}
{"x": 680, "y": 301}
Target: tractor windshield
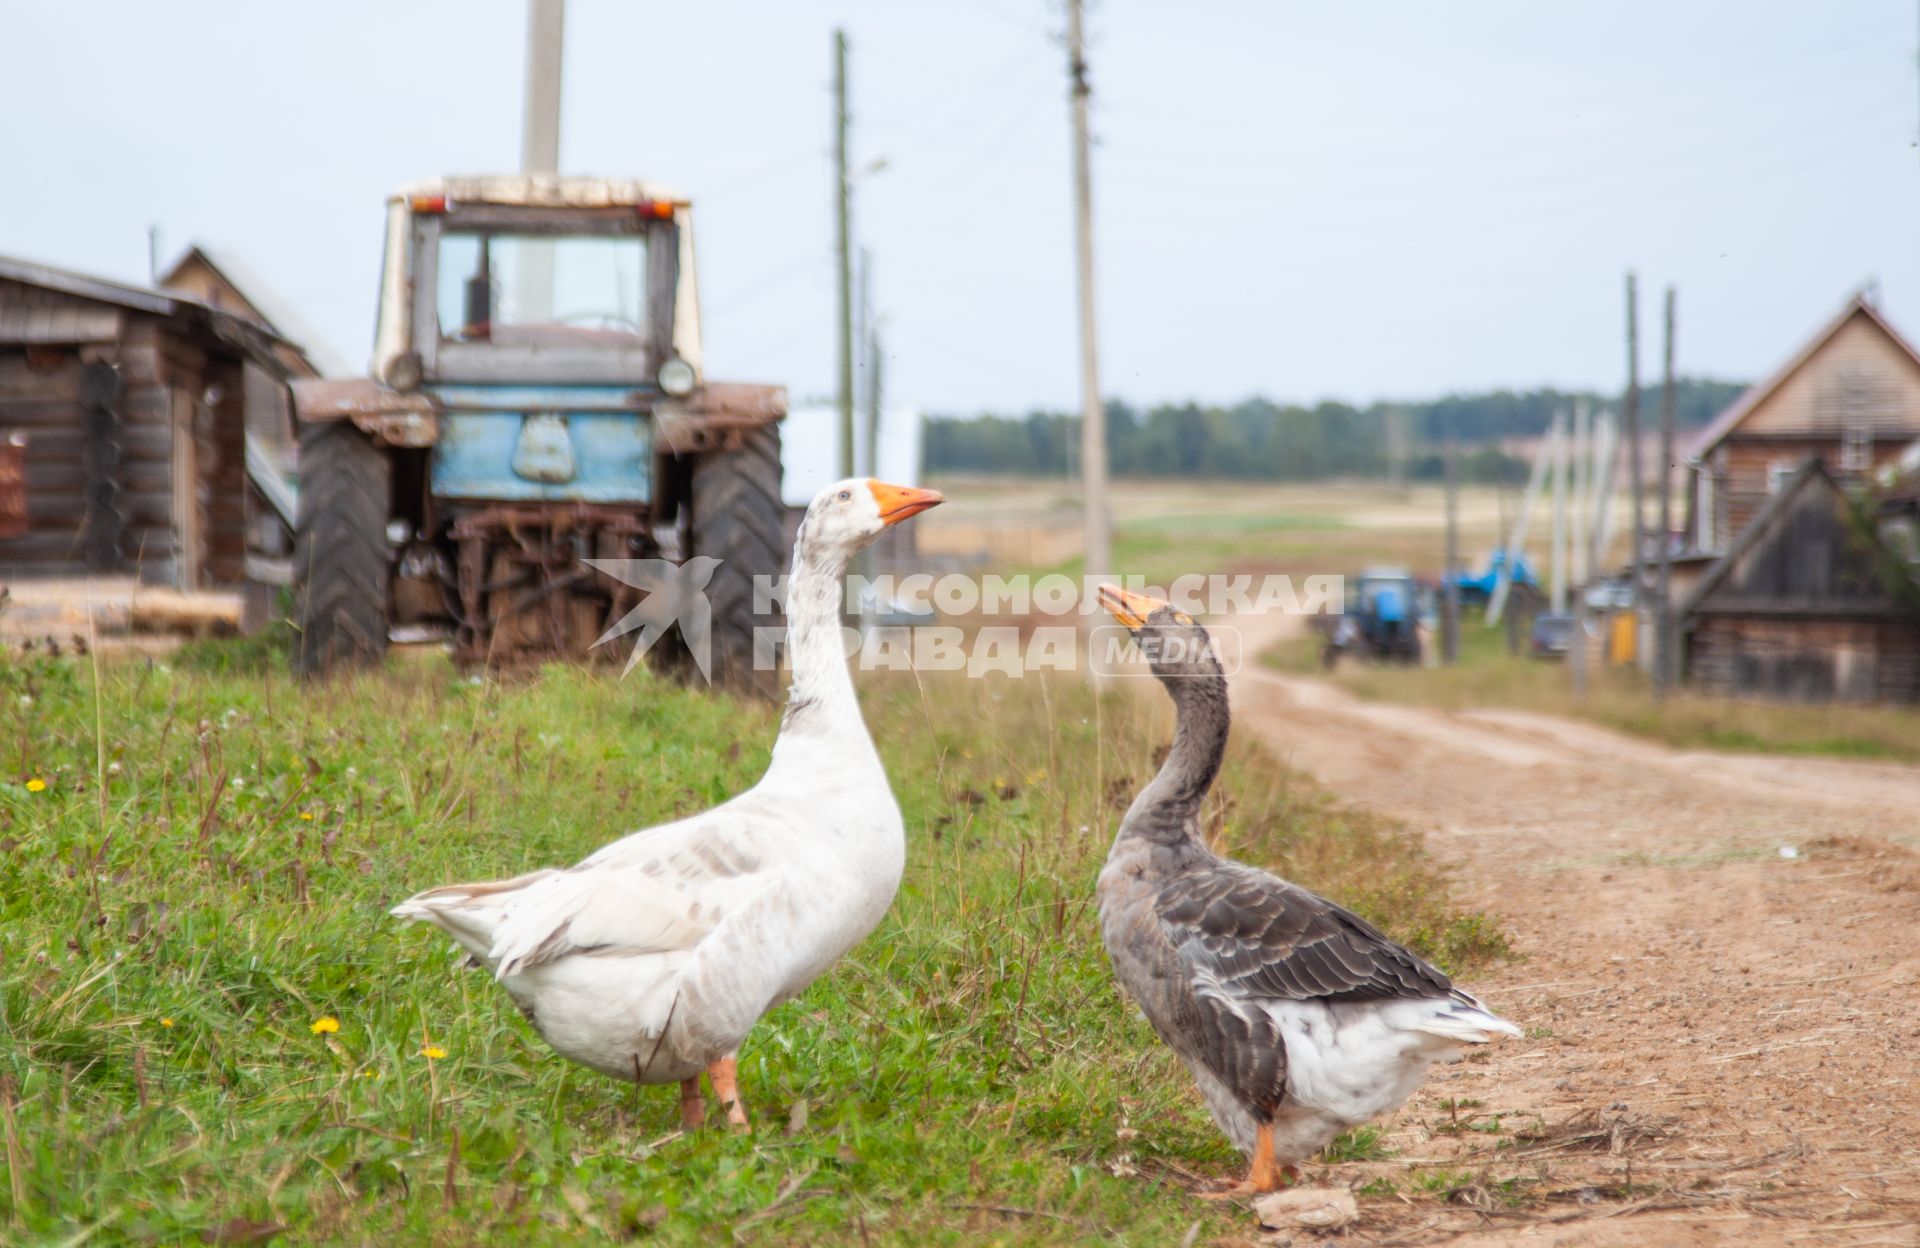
{"x": 504, "y": 287}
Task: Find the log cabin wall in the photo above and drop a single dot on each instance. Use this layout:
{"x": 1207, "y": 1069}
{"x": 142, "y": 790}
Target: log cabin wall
{"x": 1806, "y": 660}
{"x": 40, "y": 398}
{"x": 135, "y": 428}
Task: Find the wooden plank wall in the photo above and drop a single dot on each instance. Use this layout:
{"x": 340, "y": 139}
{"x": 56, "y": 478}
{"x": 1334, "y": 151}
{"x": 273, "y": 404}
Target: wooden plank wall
{"x": 98, "y": 445}
{"x": 146, "y": 461}
{"x": 1806, "y": 660}
{"x": 40, "y": 397}
{"x": 223, "y": 466}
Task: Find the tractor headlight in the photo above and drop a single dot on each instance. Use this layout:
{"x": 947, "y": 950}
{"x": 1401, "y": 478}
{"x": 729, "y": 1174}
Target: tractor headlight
{"x": 676, "y": 377}
{"x": 405, "y": 372}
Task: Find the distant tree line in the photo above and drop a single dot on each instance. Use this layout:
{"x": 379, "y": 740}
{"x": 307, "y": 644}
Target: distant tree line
{"x": 1260, "y": 439}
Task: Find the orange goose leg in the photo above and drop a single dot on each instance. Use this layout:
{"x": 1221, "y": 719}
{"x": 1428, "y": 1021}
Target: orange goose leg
{"x": 1268, "y": 1174}
{"x": 726, "y": 1086}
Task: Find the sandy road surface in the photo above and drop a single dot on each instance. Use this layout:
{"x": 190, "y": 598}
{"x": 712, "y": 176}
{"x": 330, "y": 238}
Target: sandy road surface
{"x": 1723, "y": 1041}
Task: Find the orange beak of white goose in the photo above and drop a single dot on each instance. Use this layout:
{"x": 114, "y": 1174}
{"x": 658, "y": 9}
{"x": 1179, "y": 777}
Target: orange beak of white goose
{"x": 899, "y": 502}
{"x": 1130, "y": 609}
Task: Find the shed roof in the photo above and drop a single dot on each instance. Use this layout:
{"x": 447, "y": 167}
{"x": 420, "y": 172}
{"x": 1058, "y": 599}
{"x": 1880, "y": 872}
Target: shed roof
{"x": 271, "y": 310}
{"x": 100, "y": 289}
{"x": 1726, "y": 422}
{"x": 250, "y": 338}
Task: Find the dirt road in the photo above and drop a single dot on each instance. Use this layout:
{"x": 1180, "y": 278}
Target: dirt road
{"x": 1720, "y": 980}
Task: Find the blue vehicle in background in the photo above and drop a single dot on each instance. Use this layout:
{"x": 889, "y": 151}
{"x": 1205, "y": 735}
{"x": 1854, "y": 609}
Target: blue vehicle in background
{"x": 1478, "y": 587}
{"x": 538, "y": 400}
{"x": 1381, "y": 620}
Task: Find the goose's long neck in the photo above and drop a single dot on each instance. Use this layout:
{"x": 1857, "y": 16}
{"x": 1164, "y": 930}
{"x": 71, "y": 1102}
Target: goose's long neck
{"x": 821, "y": 698}
{"x": 1168, "y": 809}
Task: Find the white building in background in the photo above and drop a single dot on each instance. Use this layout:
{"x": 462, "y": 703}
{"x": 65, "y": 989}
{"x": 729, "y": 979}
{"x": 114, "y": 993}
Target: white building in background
{"x": 810, "y": 450}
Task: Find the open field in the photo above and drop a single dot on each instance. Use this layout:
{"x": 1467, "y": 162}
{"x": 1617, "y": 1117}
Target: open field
{"x": 197, "y": 867}
{"x": 1165, "y": 528}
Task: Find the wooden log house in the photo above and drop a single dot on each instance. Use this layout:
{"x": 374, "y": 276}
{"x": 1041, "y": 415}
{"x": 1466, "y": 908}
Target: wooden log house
{"x": 1801, "y": 598}
{"x": 131, "y": 405}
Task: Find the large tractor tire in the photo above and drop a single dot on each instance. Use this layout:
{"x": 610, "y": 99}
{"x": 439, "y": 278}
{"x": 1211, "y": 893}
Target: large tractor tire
{"x": 738, "y": 518}
{"x": 340, "y": 550}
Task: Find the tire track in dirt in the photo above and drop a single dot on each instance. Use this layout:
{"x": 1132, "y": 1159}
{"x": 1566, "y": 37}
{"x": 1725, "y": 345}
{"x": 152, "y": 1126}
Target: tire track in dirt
{"x": 1721, "y": 1039}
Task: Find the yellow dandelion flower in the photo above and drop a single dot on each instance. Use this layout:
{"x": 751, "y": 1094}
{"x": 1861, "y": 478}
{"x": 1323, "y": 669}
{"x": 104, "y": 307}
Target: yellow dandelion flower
{"x": 36, "y": 785}
{"x": 166, "y": 1022}
{"x": 433, "y": 1052}
{"x": 307, "y": 815}
{"x": 323, "y": 1025}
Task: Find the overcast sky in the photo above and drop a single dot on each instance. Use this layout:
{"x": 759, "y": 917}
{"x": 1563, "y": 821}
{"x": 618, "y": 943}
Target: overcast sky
{"x": 1302, "y": 200}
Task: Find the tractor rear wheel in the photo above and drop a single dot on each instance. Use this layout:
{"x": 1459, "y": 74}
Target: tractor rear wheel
{"x": 340, "y": 549}
{"x": 738, "y": 518}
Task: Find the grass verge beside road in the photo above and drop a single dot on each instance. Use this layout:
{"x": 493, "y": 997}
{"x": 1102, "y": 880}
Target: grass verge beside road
{"x": 211, "y": 1031}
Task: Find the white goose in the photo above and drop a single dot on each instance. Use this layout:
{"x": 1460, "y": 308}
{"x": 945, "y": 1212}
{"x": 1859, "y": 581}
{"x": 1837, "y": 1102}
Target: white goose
{"x": 651, "y": 960}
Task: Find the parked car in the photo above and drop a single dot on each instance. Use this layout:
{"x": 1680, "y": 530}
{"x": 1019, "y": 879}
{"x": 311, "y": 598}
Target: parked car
{"x": 1552, "y": 636}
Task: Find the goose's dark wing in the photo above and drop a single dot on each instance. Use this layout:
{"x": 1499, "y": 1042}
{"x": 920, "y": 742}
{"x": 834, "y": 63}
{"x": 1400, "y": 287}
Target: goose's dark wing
{"x": 1247, "y": 934}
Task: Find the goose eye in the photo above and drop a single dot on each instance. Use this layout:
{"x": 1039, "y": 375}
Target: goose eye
{"x": 845, "y": 495}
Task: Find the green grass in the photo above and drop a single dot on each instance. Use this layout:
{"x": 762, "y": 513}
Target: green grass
{"x": 1488, "y": 677}
{"x": 206, "y": 873}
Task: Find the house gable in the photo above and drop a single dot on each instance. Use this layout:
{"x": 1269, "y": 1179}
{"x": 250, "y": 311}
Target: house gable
{"x": 1856, "y": 374}
{"x": 1860, "y": 379}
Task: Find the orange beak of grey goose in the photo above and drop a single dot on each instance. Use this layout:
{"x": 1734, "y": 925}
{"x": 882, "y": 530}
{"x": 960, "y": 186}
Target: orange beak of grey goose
{"x": 1130, "y": 609}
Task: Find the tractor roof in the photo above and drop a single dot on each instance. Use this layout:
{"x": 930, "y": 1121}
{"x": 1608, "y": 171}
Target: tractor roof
{"x": 542, "y": 190}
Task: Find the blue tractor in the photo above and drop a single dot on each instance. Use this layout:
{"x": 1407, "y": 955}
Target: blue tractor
{"x": 1381, "y": 620}
{"x": 537, "y": 400}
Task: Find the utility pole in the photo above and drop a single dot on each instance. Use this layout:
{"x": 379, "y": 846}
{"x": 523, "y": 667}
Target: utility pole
{"x": 870, "y": 359}
{"x": 1557, "y": 558}
{"x": 843, "y": 219}
{"x": 540, "y": 142}
{"x": 1582, "y": 488}
{"x": 540, "y": 123}
{"x": 1396, "y": 448}
{"x": 1450, "y": 582}
{"x": 1637, "y": 529}
{"x": 1607, "y": 462}
{"x": 1093, "y": 420}
{"x": 1665, "y": 651}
